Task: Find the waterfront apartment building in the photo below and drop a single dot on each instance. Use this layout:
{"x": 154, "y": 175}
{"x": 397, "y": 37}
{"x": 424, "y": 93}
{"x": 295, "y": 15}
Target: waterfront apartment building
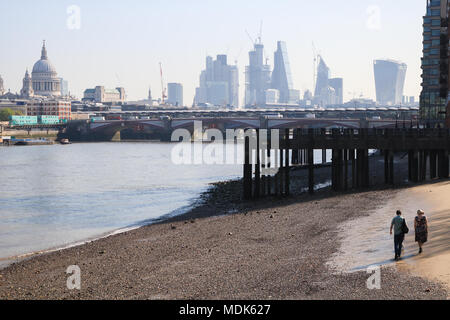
{"x": 101, "y": 95}
{"x": 257, "y": 77}
{"x": 435, "y": 69}
{"x": 175, "y": 94}
{"x": 219, "y": 83}
{"x": 389, "y": 81}
{"x": 60, "y": 108}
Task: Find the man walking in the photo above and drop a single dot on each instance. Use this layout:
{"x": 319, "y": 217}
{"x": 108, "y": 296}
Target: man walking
{"x": 399, "y": 235}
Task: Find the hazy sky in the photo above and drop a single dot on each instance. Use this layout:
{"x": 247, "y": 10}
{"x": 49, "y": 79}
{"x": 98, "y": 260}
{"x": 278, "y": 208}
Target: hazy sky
{"x": 120, "y": 43}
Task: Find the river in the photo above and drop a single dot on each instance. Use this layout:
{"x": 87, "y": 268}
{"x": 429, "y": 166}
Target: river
{"x": 55, "y": 196}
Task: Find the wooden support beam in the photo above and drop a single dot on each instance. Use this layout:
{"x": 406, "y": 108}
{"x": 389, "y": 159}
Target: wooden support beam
{"x": 353, "y": 158}
{"x": 386, "y": 166}
{"x": 287, "y": 169}
{"x": 366, "y": 168}
{"x": 269, "y": 162}
{"x": 311, "y": 170}
{"x": 247, "y": 171}
{"x": 415, "y": 166}
{"x": 334, "y": 157}
{"x": 346, "y": 158}
{"x": 391, "y": 167}
{"x": 257, "y": 191}
{"x": 433, "y": 166}
{"x": 410, "y": 165}
{"x": 282, "y": 167}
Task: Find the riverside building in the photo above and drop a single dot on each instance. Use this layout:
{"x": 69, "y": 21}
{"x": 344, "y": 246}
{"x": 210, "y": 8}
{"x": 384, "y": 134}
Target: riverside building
{"x": 435, "y": 69}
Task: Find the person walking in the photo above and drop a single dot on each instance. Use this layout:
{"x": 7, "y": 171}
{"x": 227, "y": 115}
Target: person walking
{"x": 421, "y": 228}
{"x": 399, "y": 234}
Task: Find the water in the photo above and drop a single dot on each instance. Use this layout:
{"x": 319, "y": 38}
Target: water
{"x": 53, "y": 196}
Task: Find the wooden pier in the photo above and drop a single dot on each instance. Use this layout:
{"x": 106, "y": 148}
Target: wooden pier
{"x": 267, "y": 167}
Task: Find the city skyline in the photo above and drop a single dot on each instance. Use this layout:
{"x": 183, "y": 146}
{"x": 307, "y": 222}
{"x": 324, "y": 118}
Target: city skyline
{"x": 86, "y": 60}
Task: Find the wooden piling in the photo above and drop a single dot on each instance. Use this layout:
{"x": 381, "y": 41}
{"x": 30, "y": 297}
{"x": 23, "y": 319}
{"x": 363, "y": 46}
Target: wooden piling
{"x": 247, "y": 171}
{"x": 311, "y": 170}
{"x": 257, "y": 192}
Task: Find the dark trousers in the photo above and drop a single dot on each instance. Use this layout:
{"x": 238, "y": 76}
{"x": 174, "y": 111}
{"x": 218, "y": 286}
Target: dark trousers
{"x": 398, "y": 243}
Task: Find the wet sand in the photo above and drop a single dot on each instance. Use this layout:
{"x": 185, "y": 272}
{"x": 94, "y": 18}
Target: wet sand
{"x": 434, "y": 262}
{"x": 273, "y": 249}
{"x": 366, "y": 241}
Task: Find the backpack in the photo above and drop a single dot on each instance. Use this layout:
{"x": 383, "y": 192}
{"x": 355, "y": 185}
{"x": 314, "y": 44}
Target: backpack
{"x": 405, "y": 228}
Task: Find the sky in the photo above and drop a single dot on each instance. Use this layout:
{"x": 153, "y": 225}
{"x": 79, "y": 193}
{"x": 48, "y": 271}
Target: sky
{"x": 121, "y": 43}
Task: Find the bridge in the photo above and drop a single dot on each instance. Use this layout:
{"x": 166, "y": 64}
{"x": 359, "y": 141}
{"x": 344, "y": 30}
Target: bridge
{"x": 358, "y": 112}
{"x": 162, "y": 128}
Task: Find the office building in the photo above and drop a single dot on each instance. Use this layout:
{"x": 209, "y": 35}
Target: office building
{"x": 101, "y": 95}
{"x": 325, "y": 94}
{"x": 257, "y": 77}
{"x": 389, "y": 81}
{"x": 282, "y": 77}
{"x": 175, "y": 94}
{"x": 64, "y": 88}
{"x": 219, "y": 83}
{"x": 338, "y": 85}
{"x": 50, "y": 107}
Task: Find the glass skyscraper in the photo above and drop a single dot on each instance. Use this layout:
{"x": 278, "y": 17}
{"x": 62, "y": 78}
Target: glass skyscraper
{"x": 281, "y": 75}
{"x": 435, "y": 69}
{"x": 389, "y": 81}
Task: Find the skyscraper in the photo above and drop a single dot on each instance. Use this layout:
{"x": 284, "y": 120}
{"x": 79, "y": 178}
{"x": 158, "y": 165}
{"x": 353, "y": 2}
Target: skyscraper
{"x": 175, "y": 94}
{"x": 323, "y": 75}
{"x": 338, "y": 85}
{"x": 219, "y": 83}
{"x": 257, "y": 77}
{"x": 435, "y": 69}
{"x": 324, "y": 94}
{"x": 64, "y": 88}
{"x": 281, "y": 75}
{"x": 389, "y": 81}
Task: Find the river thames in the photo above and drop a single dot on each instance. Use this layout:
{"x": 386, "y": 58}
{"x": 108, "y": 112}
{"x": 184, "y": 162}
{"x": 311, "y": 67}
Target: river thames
{"x": 55, "y": 196}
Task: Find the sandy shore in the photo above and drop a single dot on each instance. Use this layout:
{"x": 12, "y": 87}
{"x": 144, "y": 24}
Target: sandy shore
{"x": 434, "y": 263}
{"x": 276, "y": 249}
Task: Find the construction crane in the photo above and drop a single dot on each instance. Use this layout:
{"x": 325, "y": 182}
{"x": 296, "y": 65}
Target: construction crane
{"x": 260, "y": 32}
{"x": 250, "y": 37}
{"x": 163, "y": 90}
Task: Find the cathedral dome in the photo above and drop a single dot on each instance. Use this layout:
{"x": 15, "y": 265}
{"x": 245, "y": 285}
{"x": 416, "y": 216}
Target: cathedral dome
{"x": 44, "y": 77}
{"x": 44, "y": 65}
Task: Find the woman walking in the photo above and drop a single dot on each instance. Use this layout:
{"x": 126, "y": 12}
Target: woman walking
{"x": 421, "y": 227}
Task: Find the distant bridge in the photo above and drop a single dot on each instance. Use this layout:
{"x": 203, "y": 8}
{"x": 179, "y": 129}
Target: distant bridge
{"x": 403, "y": 112}
{"x": 164, "y": 127}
